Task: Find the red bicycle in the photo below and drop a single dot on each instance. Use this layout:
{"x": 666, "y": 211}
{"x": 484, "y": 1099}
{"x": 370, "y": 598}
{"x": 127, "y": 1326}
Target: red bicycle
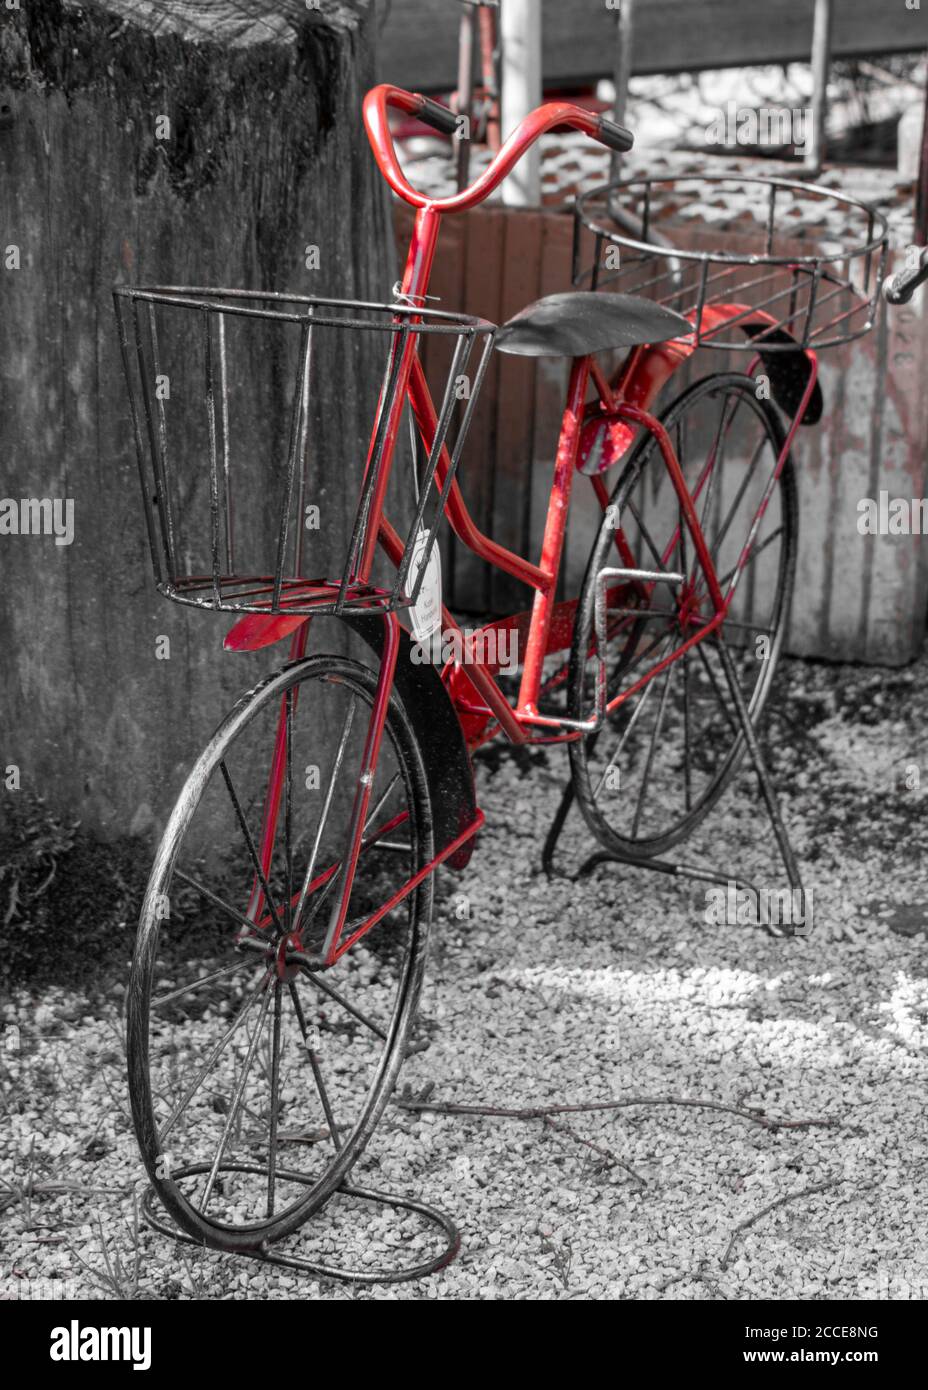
{"x": 284, "y": 930}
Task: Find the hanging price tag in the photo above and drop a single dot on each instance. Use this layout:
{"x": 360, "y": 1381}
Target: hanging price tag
{"x": 425, "y": 614}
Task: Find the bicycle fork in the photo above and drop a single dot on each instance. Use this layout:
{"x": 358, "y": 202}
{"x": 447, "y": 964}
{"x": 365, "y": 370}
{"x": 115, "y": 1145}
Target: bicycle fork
{"x": 344, "y": 871}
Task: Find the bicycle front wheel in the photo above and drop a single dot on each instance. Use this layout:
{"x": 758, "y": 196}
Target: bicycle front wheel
{"x": 670, "y": 747}
{"x": 257, "y": 1080}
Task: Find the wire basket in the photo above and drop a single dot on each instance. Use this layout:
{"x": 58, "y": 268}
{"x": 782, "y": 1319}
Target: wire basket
{"x": 749, "y": 260}
{"x": 266, "y": 427}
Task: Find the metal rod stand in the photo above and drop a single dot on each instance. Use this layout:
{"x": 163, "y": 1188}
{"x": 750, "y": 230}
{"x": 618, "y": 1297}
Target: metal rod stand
{"x": 267, "y": 1254}
{"x": 692, "y": 871}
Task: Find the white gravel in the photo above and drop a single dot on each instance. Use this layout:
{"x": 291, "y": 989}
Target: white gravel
{"x": 608, "y": 988}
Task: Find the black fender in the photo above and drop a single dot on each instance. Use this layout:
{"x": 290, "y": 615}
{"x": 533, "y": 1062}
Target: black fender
{"x": 788, "y": 368}
{"x": 448, "y": 768}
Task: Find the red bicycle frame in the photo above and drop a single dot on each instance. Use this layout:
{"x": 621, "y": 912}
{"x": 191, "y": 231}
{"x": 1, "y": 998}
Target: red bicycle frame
{"x": 483, "y": 708}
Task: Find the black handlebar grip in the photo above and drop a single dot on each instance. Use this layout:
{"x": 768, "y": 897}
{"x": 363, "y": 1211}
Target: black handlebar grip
{"x": 437, "y": 116}
{"x": 898, "y": 289}
{"x": 615, "y": 136}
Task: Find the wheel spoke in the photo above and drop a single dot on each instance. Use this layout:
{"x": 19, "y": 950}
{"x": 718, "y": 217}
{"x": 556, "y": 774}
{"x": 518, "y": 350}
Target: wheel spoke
{"x": 756, "y": 628}
{"x": 215, "y": 899}
{"x": 646, "y": 537}
{"x": 213, "y": 1043}
{"x": 640, "y": 657}
{"x": 213, "y": 1056}
{"x": 316, "y": 1070}
{"x": 275, "y": 1096}
{"x": 158, "y": 1000}
{"x": 316, "y": 979}
{"x": 755, "y": 551}
{"x": 739, "y": 495}
{"x": 288, "y": 812}
{"x": 715, "y": 466}
{"x": 252, "y": 851}
{"x": 236, "y": 1101}
{"x": 323, "y": 819}
{"x": 687, "y": 737}
{"x": 715, "y": 686}
{"x": 655, "y": 736}
{"x": 336, "y": 868}
{"x": 643, "y": 699}
{"x": 675, "y": 735}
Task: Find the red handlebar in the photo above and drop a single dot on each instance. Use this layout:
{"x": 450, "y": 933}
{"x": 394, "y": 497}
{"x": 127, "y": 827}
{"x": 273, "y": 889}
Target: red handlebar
{"x": 538, "y": 123}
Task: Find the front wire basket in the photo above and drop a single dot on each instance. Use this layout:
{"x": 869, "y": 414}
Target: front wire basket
{"x": 749, "y": 260}
{"x": 262, "y": 420}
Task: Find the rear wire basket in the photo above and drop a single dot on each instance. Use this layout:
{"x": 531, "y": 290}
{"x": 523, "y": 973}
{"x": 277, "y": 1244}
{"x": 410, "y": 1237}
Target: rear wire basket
{"x": 803, "y": 263}
{"x": 254, "y": 415}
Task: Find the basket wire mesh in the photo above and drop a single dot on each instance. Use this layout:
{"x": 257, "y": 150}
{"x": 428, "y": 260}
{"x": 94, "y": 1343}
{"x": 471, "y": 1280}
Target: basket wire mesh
{"x": 276, "y": 392}
{"x": 785, "y": 262}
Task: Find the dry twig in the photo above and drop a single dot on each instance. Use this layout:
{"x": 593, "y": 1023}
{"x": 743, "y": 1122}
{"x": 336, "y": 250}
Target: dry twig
{"x": 604, "y": 1153}
{"x": 771, "y": 1206}
{"x": 542, "y": 1112}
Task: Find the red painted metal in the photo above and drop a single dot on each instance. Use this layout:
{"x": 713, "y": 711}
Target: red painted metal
{"x": 536, "y": 124}
{"x": 486, "y": 688}
{"x": 553, "y": 540}
{"x": 684, "y": 496}
{"x": 459, "y": 518}
{"x": 325, "y": 874}
{"x": 408, "y": 887}
{"x": 705, "y": 631}
{"x": 622, "y": 406}
{"x": 362, "y": 796}
{"x": 275, "y": 782}
{"x": 411, "y": 884}
{"x": 772, "y": 481}
{"x": 256, "y": 630}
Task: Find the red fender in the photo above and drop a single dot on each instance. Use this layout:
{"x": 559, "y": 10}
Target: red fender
{"x": 258, "y": 630}
{"x": 648, "y": 369}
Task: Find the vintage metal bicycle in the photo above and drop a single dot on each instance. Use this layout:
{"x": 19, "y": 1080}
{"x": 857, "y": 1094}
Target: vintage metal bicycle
{"x": 284, "y": 930}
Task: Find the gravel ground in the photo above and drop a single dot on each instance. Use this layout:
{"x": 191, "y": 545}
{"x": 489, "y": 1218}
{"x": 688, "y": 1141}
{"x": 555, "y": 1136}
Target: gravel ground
{"x": 609, "y": 988}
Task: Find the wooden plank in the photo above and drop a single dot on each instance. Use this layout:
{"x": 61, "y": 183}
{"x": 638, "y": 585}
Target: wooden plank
{"x": 550, "y": 382}
{"x": 418, "y": 46}
{"x": 483, "y": 281}
{"x": 512, "y": 475}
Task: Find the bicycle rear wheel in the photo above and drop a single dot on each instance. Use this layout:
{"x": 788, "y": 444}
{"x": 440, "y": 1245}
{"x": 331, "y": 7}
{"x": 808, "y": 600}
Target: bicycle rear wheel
{"x": 665, "y": 755}
{"x": 256, "y": 1080}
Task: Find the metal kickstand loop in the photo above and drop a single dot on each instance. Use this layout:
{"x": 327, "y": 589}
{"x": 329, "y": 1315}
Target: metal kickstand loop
{"x": 268, "y": 1255}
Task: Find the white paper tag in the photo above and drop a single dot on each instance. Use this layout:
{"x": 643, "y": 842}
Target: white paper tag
{"x": 425, "y": 614}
